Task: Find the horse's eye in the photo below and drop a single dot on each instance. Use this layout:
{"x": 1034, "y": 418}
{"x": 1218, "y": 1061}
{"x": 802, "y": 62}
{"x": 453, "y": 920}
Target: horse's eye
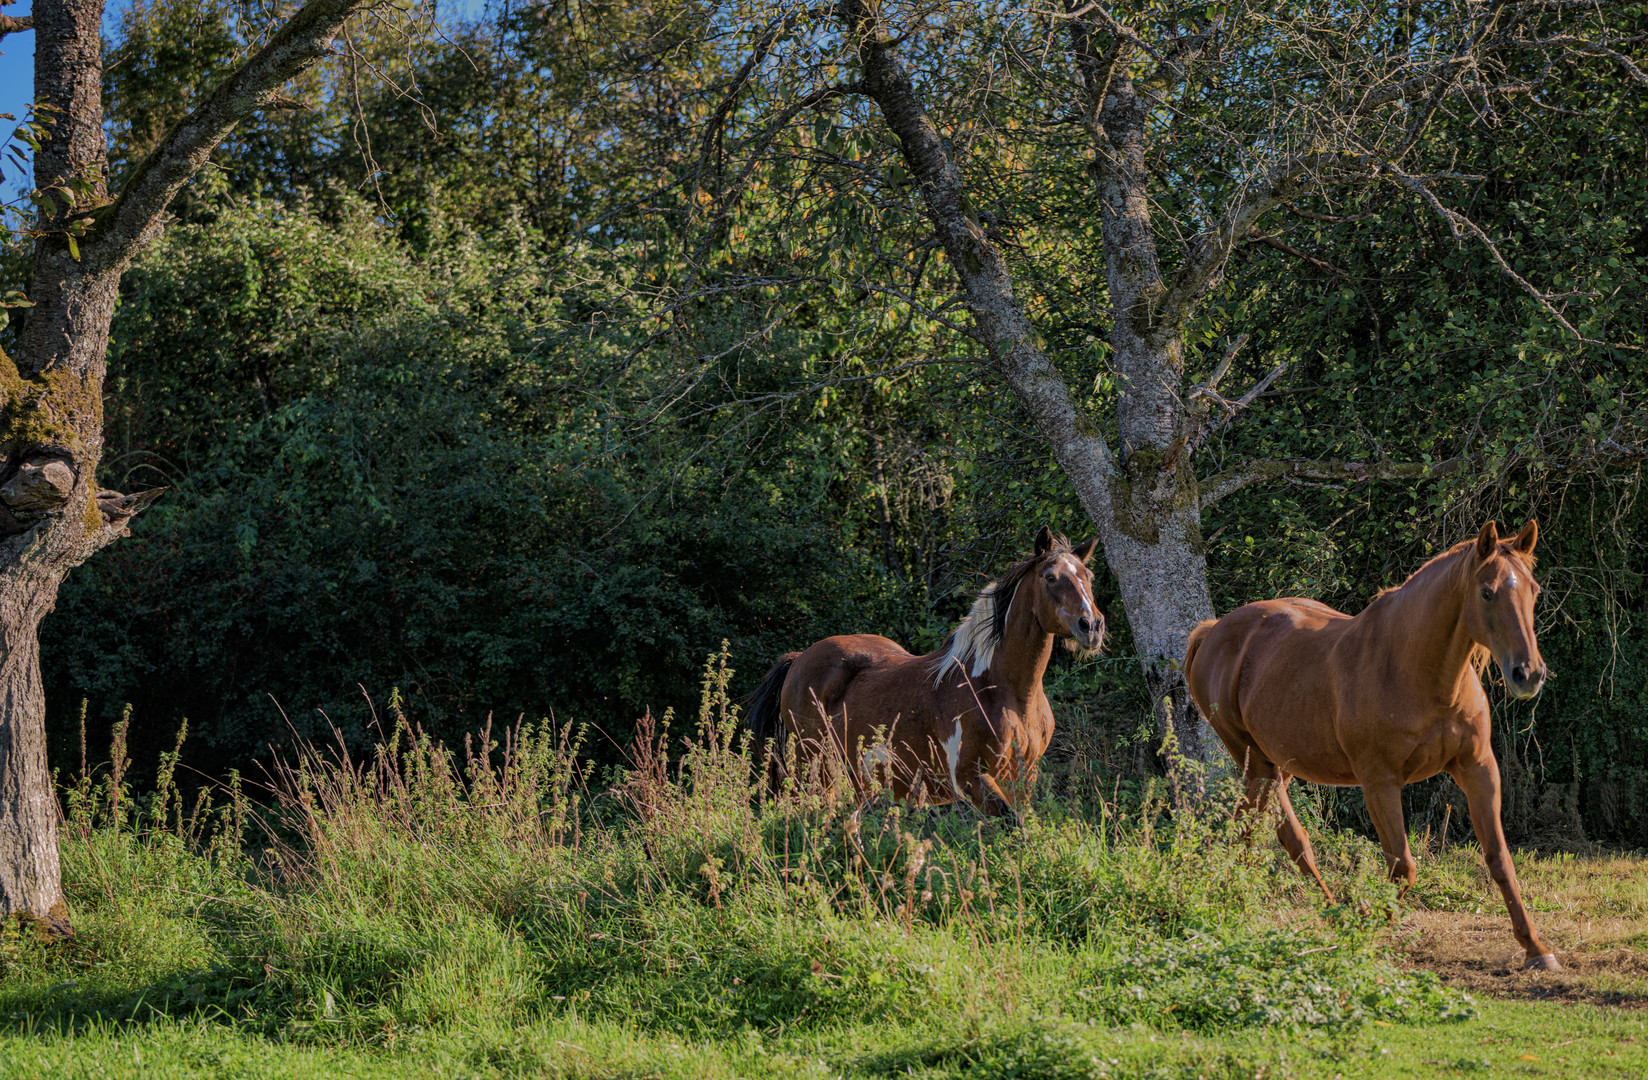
{"x": 1050, "y": 578}
{"x": 1487, "y": 592}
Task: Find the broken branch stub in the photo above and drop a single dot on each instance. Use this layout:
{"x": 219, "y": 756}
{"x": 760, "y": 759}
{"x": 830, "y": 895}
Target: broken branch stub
{"x": 38, "y": 487}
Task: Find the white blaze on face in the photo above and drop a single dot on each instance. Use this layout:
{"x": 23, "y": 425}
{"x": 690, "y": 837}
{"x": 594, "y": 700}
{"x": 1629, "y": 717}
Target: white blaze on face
{"x": 1072, "y": 566}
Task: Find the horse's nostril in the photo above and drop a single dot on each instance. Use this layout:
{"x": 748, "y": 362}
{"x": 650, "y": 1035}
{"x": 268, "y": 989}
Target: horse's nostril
{"x": 1519, "y": 674}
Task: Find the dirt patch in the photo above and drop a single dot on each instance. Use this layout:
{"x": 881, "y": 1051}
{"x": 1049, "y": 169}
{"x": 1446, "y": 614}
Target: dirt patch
{"x": 1476, "y": 953}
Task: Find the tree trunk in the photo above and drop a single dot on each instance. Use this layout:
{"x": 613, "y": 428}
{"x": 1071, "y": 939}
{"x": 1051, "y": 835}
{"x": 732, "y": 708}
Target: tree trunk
{"x": 52, "y": 515}
{"x": 1164, "y": 591}
{"x": 30, "y": 881}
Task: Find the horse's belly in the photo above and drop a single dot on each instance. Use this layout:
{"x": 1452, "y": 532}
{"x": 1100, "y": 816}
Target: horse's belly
{"x": 1307, "y": 756}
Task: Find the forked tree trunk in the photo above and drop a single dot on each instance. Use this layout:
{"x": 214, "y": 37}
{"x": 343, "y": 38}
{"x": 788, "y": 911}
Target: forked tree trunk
{"x": 1145, "y": 505}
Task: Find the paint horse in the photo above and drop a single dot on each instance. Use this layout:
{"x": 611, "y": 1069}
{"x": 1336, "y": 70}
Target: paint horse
{"x": 968, "y": 722}
{"x": 1385, "y": 699}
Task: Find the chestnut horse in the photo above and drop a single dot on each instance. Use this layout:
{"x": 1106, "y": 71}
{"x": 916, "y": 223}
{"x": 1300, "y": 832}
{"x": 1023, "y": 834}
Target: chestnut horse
{"x": 1385, "y": 699}
{"x": 968, "y": 722}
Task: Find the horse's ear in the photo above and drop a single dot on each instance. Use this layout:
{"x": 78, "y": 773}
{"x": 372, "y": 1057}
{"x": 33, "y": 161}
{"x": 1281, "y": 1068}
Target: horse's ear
{"x": 1487, "y": 540}
{"x": 1527, "y": 538}
{"x": 1044, "y": 541}
{"x": 1085, "y": 551}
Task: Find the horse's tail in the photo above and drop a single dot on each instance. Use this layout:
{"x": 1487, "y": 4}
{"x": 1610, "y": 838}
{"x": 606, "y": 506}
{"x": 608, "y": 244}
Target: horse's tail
{"x": 764, "y": 714}
{"x": 1194, "y": 643}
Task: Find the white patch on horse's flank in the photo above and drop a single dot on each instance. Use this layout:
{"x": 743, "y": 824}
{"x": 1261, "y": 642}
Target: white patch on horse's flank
{"x": 971, "y": 640}
{"x": 874, "y": 757}
{"x": 952, "y": 758}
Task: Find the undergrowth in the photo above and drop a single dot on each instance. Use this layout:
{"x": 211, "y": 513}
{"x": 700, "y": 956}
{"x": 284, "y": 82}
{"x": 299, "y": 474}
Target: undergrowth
{"x": 489, "y": 896}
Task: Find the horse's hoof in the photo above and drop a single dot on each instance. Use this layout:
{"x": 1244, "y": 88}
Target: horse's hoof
{"x": 1542, "y": 962}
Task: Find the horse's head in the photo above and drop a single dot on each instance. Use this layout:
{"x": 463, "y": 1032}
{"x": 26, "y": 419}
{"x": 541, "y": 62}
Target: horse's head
{"x": 1063, "y": 589}
{"x": 1499, "y": 609}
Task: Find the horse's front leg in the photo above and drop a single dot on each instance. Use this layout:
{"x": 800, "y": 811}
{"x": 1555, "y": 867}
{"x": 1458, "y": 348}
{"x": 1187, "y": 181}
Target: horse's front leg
{"x": 990, "y": 800}
{"x": 1481, "y": 785}
{"x": 1384, "y": 800}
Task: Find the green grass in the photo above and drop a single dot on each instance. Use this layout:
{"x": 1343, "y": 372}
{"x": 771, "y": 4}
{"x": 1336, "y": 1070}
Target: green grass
{"x": 428, "y": 913}
{"x": 1509, "y": 1038}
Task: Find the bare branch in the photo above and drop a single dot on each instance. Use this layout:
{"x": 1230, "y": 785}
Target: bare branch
{"x": 717, "y": 122}
{"x": 757, "y": 148}
{"x": 1285, "y": 182}
{"x": 1592, "y": 48}
{"x": 15, "y": 24}
{"x": 118, "y": 511}
{"x": 1219, "y": 370}
{"x": 1257, "y": 237}
{"x": 1204, "y": 398}
{"x": 135, "y": 217}
{"x": 1333, "y": 472}
{"x": 1459, "y": 225}
{"x": 1329, "y": 218}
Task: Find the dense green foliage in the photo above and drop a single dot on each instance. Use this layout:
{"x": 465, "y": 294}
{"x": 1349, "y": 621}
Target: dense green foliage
{"x": 384, "y": 476}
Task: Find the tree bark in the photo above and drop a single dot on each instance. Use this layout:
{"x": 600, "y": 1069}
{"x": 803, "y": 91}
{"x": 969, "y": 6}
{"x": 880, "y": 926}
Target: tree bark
{"x": 52, "y": 514}
{"x": 30, "y": 879}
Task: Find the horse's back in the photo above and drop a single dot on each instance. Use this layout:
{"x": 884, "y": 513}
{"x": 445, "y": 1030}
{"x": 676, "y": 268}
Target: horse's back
{"x": 852, "y": 652}
{"x": 824, "y": 670}
{"x": 862, "y": 648}
{"x": 1264, "y": 625}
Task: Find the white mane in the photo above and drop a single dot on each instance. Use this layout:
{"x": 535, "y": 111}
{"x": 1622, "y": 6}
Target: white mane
{"x": 973, "y": 640}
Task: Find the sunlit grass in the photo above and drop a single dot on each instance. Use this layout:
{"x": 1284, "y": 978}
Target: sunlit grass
{"x": 495, "y": 911}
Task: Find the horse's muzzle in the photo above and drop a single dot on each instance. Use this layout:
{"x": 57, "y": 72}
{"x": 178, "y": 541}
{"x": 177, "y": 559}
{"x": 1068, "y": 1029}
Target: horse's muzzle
{"x": 1523, "y": 679}
{"x": 1088, "y": 632}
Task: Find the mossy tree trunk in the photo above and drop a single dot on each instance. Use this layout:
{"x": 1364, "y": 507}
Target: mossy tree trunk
{"x": 53, "y": 516}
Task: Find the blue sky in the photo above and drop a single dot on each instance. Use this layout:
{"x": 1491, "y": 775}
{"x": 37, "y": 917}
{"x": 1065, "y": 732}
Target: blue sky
{"x": 17, "y": 61}
{"x": 16, "y": 67}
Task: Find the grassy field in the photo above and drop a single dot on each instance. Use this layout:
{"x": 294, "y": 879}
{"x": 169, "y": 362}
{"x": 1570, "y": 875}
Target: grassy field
{"x": 425, "y": 913}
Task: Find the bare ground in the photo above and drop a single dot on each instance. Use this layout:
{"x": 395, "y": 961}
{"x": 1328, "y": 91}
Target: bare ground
{"x": 1592, "y": 917}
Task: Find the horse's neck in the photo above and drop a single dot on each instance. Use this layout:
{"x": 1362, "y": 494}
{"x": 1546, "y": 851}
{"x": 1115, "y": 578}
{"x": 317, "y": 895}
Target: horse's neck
{"x": 1423, "y": 626}
{"x": 1025, "y": 649}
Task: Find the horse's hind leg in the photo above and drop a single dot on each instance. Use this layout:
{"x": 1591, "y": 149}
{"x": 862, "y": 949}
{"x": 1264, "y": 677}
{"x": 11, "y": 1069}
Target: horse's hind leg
{"x": 1293, "y": 838}
{"x": 1384, "y": 801}
{"x": 1261, "y": 781}
{"x": 1481, "y": 784}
